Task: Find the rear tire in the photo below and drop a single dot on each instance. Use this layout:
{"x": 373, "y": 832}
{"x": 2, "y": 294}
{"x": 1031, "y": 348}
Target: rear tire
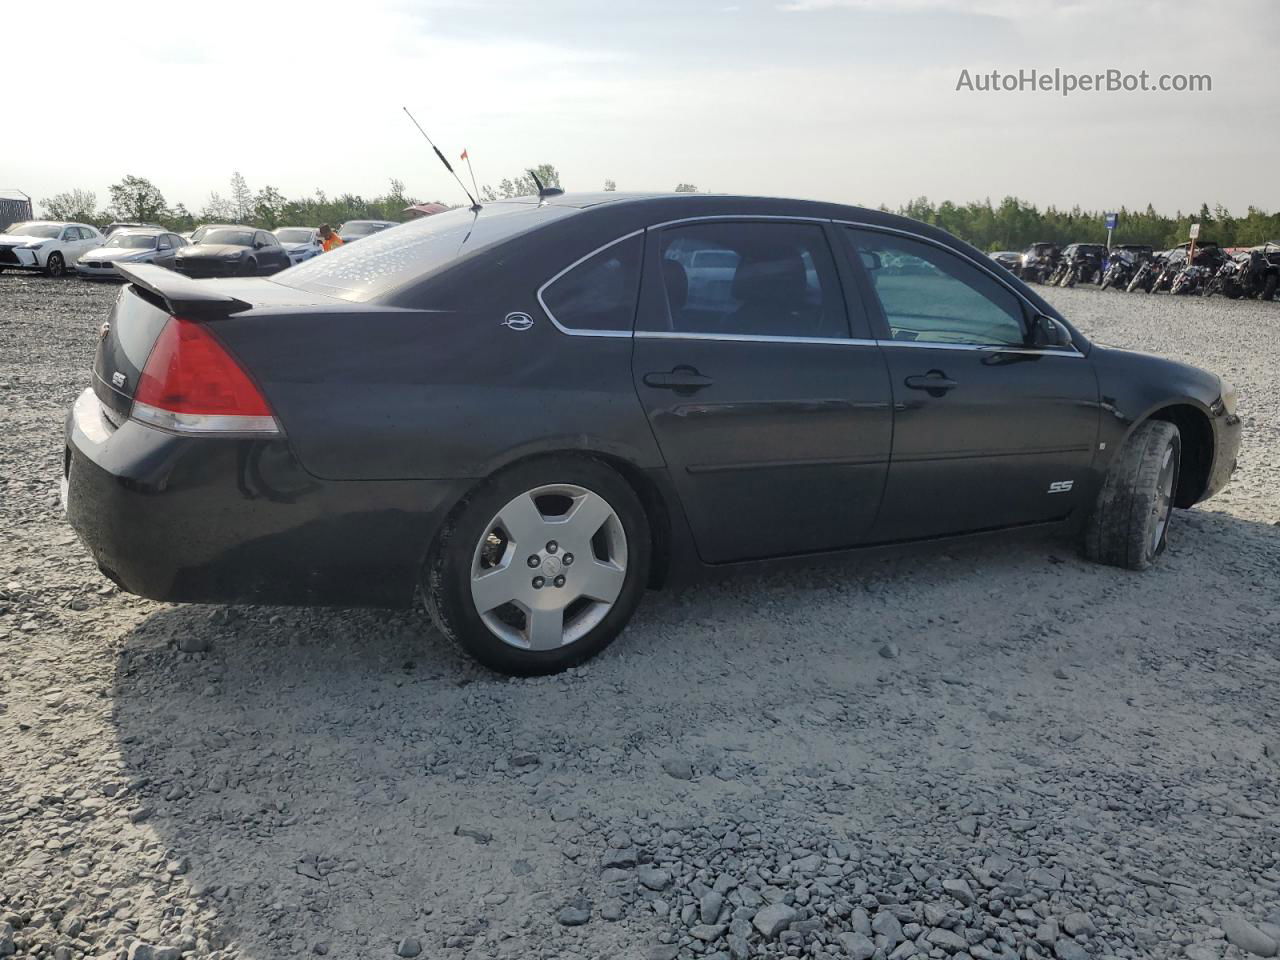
{"x": 55, "y": 266}
{"x": 486, "y": 536}
{"x": 1129, "y": 524}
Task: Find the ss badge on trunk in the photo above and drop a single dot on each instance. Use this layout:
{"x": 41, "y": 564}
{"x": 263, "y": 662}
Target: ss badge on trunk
{"x": 1061, "y": 486}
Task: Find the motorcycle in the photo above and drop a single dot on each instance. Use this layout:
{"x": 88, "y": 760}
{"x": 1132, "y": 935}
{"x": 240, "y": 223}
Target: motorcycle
{"x": 1189, "y": 279}
{"x": 1171, "y": 267}
{"x": 1122, "y": 266}
{"x": 1144, "y": 277}
{"x": 1226, "y": 280}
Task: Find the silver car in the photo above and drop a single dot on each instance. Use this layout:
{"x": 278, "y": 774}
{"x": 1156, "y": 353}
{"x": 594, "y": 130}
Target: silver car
{"x": 142, "y": 245}
{"x": 301, "y": 243}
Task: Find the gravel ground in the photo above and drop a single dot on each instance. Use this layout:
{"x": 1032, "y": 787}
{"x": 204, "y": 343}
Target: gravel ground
{"x": 996, "y": 751}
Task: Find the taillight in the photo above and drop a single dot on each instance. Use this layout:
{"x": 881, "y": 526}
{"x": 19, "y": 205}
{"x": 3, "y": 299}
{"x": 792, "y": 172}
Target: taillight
{"x": 191, "y": 384}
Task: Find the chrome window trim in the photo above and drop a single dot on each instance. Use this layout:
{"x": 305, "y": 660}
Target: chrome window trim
{"x": 1074, "y": 351}
{"x": 989, "y": 347}
{"x": 750, "y": 338}
{"x": 572, "y": 331}
{"x": 739, "y": 216}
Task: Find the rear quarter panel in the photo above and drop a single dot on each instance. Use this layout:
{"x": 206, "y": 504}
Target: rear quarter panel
{"x": 441, "y": 389}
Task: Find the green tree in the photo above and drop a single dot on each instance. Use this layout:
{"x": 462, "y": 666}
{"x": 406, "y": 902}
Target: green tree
{"x": 78, "y": 205}
{"x": 686, "y": 188}
{"x": 610, "y": 186}
{"x": 180, "y": 219}
{"x": 137, "y": 199}
{"x": 217, "y": 210}
{"x": 522, "y": 185}
{"x": 241, "y": 198}
{"x": 269, "y": 208}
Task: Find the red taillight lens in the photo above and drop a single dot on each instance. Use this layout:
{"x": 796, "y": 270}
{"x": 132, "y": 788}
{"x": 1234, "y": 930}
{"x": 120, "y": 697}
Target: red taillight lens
{"x": 191, "y": 384}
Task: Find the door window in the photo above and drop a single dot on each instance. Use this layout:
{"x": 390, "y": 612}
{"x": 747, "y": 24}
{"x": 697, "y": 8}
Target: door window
{"x": 598, "y": 294}
{"x": 71, "y": 233}
{"x": 163, "y": 243}
{"x": 744, "y": 278}
{"x": 932, "y": 296}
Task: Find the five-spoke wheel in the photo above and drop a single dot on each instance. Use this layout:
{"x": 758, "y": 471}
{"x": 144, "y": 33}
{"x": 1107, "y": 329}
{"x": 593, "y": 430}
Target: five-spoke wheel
{"x": 542, "y": 566}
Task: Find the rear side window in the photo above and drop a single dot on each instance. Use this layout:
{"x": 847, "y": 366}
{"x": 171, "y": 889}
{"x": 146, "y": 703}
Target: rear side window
{"x": 932, "y": 296}
{"x": 598, "y": 295}
{"x": 742, "y": 278}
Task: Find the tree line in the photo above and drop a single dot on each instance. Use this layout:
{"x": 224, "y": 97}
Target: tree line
{"x": 1010, "y": 225}
{"x": 1015, "y": 224}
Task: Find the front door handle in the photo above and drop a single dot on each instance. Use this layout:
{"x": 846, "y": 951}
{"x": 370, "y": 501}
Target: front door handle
{"x": 935, "y": 382}
{"x": 681, "y": 380}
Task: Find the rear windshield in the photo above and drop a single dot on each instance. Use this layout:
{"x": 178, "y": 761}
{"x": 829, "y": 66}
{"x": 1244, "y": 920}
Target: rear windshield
{"x": 137, "y": 241}
{"x": 360, "y": 229}
{"x": 235, "y": 238}
{"x": 411, "y": 251}
{"x": 294, "y": 235}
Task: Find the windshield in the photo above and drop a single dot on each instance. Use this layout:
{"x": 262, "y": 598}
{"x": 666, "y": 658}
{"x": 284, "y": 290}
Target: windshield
{"x": 135, "y": 241}
{"x": 360, "y": 229}
{"x": 235, "y": 238}
{"x": 295, "y": 235}
{"x": 47, "y": 230}
{"x": 415, "y": 250}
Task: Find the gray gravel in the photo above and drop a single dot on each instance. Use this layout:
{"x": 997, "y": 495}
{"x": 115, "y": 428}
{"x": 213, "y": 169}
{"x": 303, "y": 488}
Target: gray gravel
{"x": 997, "y": 751}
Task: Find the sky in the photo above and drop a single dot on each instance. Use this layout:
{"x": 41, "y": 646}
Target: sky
{"x": 852, "y": 101}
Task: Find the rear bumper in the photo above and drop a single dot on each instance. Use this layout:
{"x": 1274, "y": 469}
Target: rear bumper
{"x": 204, "y": 520}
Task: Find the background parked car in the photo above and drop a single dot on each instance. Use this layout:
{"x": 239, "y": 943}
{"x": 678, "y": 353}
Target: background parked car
{"x": 232, "y": 251}
{"x": 355, "y": 229}
{"x": 1009, "y": 259}
{"x": 300, "y": 243}
{"x": 48, "y": 245}
{"x": 130, "y": 246}
{"x": 1038, "y": 261}
{"x": 111, "y": 228}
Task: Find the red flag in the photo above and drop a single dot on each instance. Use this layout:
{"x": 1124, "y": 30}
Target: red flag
{"x": 464, "y": 154}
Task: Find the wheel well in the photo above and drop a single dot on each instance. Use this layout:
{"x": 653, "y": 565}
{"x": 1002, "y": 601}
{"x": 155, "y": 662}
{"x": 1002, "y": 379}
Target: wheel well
{"x": 655, "y": 506}
{"x": 1197, "y": 451}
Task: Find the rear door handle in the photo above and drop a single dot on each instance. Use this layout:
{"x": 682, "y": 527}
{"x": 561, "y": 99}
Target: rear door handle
{"x": 681, "y": 380}
{"x": 935, "y": 382}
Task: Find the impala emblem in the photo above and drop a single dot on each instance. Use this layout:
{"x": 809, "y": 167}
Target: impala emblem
{"x": 517, "y": 321}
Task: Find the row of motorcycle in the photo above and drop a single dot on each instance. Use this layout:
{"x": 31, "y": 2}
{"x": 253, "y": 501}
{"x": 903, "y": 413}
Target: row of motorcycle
{"x": 1206, "y": 270}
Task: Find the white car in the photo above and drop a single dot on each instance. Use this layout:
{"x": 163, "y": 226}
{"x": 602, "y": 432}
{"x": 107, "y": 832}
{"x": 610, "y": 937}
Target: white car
{"x": 130, "y": 246}
{"x": 48, "y": 245}
{"x": 301, "y": 243}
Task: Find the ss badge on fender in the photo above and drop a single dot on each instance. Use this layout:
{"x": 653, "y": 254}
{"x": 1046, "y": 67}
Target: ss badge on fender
{"x": 1060, "y": 486}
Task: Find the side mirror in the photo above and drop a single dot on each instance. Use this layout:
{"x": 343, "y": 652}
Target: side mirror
{"x": 1048, "y": 333}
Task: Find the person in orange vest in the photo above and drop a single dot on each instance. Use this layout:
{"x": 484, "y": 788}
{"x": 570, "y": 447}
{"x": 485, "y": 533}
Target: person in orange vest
{"x": 328, "y": 239}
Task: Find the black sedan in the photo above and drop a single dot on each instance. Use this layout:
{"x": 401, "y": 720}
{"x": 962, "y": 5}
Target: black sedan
{"x": 232, "y": 252}
{"x": 532, "y": 412}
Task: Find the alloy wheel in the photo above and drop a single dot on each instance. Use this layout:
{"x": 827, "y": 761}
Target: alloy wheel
{"x": 549, "y": 567}
{"x": 1162, "y": 508}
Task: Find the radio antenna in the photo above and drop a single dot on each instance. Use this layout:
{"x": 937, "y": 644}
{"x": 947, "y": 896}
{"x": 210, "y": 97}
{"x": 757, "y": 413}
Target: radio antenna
{"x": 475, "y": 206}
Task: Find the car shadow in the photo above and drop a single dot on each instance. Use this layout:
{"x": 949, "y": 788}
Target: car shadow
{"x": 349, "y": 778}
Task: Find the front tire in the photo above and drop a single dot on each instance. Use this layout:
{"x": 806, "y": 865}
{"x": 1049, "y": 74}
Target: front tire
{"x": 1129, "y": 524}
{"x": 542, "y": 567}
{"x": 249, "y": 268}
{"x": 55, "y": 266}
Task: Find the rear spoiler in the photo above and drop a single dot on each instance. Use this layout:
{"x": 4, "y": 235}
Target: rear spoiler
{"x": 182, "y": 295}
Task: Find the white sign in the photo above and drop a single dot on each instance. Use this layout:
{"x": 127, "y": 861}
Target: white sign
{"x": 1195, "y": 231}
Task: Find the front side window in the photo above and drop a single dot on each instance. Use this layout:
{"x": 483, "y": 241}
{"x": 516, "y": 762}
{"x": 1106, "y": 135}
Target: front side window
{"x": 743, "y": 278}
{"x": 930, "y": 295}
{"x": 598, "y": 294}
